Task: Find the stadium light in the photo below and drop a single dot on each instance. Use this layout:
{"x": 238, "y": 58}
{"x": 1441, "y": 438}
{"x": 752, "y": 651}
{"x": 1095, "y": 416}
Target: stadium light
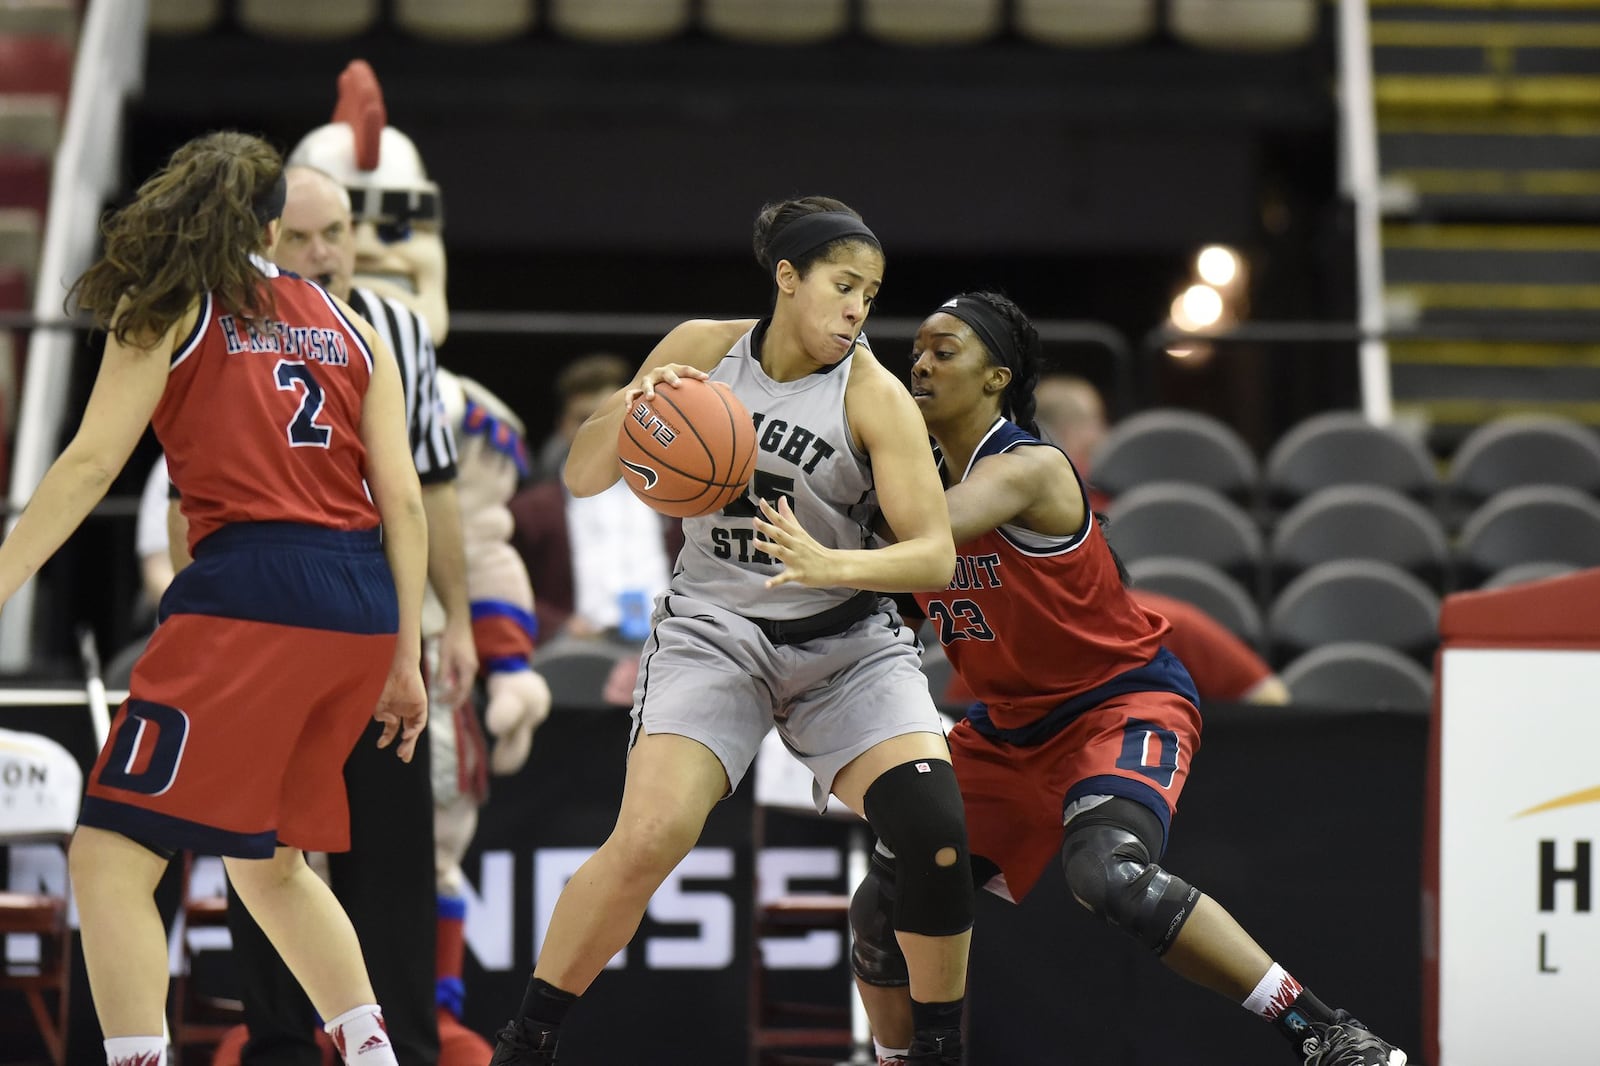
{"x": 1217, "y": 265}
{"x": 1197, "y": 307}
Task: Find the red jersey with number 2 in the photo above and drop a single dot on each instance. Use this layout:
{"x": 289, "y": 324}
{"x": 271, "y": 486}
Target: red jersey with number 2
{"x": 266, "y": 426}
{"x": 1030, "y": 621}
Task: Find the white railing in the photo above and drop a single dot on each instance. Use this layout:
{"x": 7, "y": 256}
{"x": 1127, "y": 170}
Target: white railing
{"x": 109, "y": 68}
{"x": 1358, "y": 180}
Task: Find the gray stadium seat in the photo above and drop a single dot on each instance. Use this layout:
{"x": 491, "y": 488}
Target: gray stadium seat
{"x": 1205, "y": 586}
{"x": 1342, "y": 447}
{"x": 775, "y": 21}
{"x": 466, "y": 21}
{"x": 1522, "y": 573}
{"x": 19, "y": 238}
{"x": 307, "y": 20}
{"x": 619, "y": 21}
{"x": 177, "y": 17}
{"x": 1084, "y": 23}
{"x": 29, "y": 123}
{"x": 1359, "y": 676}
{"x": 1535, "y": 523}
{"x": 1523, "y": 450}
{"x": 1167, "y": 444}
{"x": 576, "y": 671}
{"x": 1243, "y": 25}
{"x": 1353, "y": 599}
{"x": 1188, "y": 521}
{"x": 1360, "y": 522}
{"x": 56, "y": 17}
{"x": 931, "y": 22}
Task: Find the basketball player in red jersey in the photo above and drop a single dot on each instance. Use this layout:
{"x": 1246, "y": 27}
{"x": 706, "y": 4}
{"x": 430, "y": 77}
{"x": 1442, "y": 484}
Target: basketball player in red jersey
{"x": 278, "y": 410}
{"x": 1080, "y": 740}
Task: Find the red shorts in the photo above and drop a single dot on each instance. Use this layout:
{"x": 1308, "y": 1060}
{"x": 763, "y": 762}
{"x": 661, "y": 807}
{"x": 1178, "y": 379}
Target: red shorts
{"x": 236, "y": 729}
{"x": 1137, "y": 745}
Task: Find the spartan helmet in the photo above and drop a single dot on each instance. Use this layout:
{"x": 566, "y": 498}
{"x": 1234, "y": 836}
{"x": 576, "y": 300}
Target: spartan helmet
{"x": 397, "y": 211}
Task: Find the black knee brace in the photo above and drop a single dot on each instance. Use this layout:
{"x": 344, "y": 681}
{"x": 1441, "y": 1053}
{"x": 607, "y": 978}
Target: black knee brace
{"x": 1106, "y": 856}
{"x": 915, "y": 808}
{"x": 875, "y": 955}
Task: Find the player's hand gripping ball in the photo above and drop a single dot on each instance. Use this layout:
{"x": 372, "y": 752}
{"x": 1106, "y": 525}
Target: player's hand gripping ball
{"x": 689, "y": 450}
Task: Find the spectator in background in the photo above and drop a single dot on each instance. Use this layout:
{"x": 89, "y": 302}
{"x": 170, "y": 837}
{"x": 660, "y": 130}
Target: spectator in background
{"x": 1224, "y": 668}
{"x": 582, "y": 386}
{"x": 590, "y": 557}
{"x": 1072, "y": 413}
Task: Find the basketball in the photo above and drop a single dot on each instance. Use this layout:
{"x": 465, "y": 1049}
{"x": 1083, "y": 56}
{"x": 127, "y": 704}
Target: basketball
{"x": 689, "y": 451}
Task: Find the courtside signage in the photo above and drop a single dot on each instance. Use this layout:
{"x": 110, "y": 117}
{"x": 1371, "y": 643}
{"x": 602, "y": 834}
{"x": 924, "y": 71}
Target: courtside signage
{"x": 1519, "y": 934}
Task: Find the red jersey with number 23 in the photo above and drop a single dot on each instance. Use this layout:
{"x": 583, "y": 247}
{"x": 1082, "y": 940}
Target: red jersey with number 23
{"x": 1029, "y": 621}
{"x": 266, "y": 426}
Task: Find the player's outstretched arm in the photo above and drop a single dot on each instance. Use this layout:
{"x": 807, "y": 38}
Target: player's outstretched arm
{"x": 126, "y": 392}
{"x": 691, "y": 349}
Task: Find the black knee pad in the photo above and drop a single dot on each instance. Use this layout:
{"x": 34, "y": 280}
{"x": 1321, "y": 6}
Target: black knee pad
{"x": 875, "y": 955}
{"x": 915, "y": 808}
{"x": 1106, "y": 856}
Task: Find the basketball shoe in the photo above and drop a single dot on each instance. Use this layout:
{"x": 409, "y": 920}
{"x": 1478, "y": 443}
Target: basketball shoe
{"x": 944, "y": 1051}
{"x": 1346, "y": 1042}
{"x": 514, "y": 1046}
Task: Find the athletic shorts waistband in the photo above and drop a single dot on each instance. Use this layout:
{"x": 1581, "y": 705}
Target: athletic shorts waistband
{"x": 291, "y": 534}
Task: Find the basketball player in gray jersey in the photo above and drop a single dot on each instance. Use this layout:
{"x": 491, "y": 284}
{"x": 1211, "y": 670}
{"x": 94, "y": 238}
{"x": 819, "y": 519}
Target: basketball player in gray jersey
{"x": 760, "y": 628}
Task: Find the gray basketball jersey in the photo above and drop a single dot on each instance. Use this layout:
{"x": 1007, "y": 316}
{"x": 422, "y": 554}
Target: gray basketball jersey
{"x": 804, "y": 450}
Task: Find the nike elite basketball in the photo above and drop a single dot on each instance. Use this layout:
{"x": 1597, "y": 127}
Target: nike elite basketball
{"x": 690, "y": 450}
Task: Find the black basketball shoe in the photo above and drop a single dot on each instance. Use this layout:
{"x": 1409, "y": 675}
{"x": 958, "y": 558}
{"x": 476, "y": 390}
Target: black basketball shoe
{"x": 1346, "y": 1042}
{"x": 941, "y": 1051}
{"x": 515, "y": 1046}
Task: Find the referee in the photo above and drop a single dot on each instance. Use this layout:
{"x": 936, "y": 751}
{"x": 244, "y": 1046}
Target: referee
{"x": 386, "y": 879}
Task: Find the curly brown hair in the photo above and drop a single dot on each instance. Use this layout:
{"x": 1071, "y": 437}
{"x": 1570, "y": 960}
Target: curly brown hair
{"x": 190, "y": 229}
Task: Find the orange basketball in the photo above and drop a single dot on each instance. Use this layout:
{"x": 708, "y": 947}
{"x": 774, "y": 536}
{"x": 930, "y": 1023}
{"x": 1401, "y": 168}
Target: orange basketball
{"x": 689, "y": 451}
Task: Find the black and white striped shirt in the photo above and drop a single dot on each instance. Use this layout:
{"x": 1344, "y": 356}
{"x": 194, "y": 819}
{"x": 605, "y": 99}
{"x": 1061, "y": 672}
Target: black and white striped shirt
{"x": 433, "y": 447}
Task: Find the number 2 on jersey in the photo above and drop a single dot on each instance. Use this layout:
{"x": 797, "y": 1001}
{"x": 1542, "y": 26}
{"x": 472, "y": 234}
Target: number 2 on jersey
{"x": 304, "y": 430}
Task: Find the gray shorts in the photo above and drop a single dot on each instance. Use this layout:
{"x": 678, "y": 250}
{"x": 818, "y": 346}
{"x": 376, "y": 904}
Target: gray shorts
{"x": 711, "y": 675}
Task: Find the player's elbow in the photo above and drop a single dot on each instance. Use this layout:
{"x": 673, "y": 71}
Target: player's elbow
{"x": 588, "y": 477}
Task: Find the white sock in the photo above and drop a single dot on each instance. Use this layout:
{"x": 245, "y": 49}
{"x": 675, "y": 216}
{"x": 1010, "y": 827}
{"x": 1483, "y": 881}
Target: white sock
{"x": 362, "y": 1040}
{"x": 1273, "y": 994}
{"x": 136, "y": 1051}
{"x": 887, "y": 1055}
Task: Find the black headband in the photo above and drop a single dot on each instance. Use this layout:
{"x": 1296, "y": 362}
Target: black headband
{"x": 269, "y": 205}
{"x": 990, "y": 326}
{"x": 810, "y": 232}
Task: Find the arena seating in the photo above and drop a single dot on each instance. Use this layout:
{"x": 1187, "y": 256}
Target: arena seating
{"x": 1359, "y": 522}
{"x": 25, "y": 181}
{"x": 932, "y": 22}
{"x": 181, "y": 17}
{"x": 767, "y": 22}
{"x": 1523, "y": 450}
{"x": 1187, "y": 520}
{"x": 619, "y": 21}
{"x": 1533, "y": 523}
{"x": 1205, "y": 586}
{"x": 465, "y": 21}
{"x": 1084, "y": 23}
{"x": 308, "y": 20}
{"x": 1226, "y": 25}
{"x": 1343, "y": 447}
{"x": 1521, "y": 573}
{"x": 1353, "y": 599}
{"x": 1359, "y": 676}
{"x": 1175, "y": 445}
